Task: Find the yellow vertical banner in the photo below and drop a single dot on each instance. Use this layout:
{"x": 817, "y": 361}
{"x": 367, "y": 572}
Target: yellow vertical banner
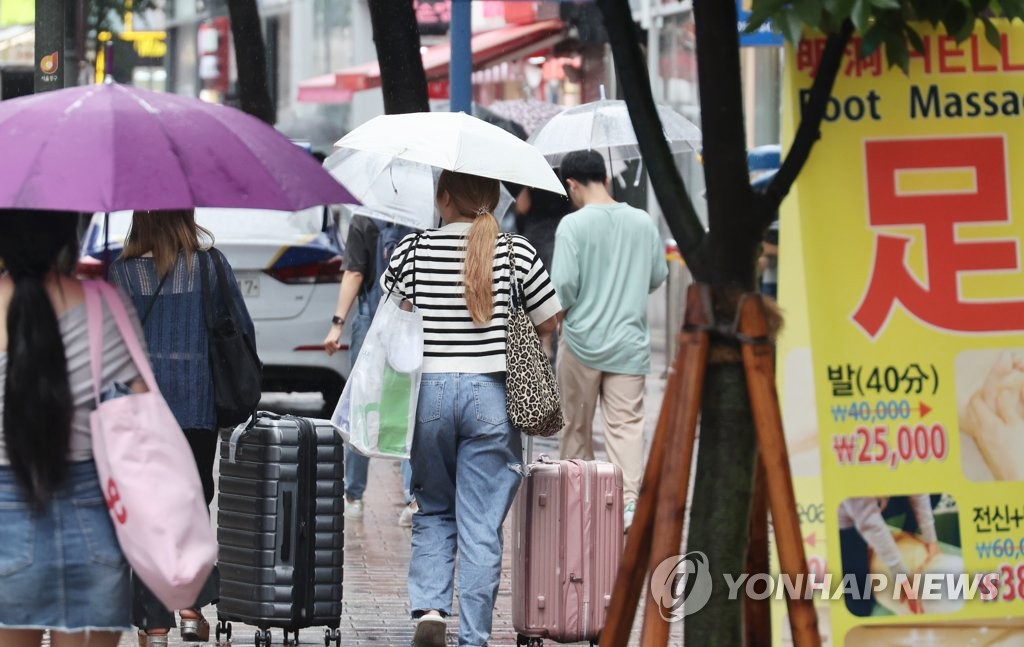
{"x": 799, "y": 417}
{"x": 910, "y": 220}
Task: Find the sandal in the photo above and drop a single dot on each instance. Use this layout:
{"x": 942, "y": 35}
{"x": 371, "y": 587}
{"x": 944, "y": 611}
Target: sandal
{"x": 152, "y": 640}
{"x": 195, "y": 629}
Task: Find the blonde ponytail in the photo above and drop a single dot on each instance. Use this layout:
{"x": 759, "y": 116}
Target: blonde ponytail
{"x": 480, "y": 243}
{"x": 476, "y": 197}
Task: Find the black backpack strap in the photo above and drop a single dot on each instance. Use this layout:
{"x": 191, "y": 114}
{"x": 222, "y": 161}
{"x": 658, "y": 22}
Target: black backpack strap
{"x": 225, "y": 295}
{"x": 204, "y": 272}
{"x": 401, "y": 266}
{"x": 374, "y": 270}
{"x": 152, "y": 299}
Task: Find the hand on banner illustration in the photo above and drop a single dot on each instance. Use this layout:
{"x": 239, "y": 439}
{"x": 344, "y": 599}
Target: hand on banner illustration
{"x": 994, "y": 418}
{"x": 908, "y": 596}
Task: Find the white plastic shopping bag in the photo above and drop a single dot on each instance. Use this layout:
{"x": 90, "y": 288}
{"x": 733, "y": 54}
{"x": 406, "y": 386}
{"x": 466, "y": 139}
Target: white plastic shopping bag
{"x": 376, "y": 414}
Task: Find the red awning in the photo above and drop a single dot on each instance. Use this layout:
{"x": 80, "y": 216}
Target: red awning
{"x": 489, "y": 48}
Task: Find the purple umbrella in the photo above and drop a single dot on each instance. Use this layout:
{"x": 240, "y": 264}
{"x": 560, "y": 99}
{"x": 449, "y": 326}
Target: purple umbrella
{"x": 113, "y": 147}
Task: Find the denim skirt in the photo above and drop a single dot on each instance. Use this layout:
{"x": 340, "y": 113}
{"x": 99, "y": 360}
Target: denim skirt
{"x": 61, "y": 568}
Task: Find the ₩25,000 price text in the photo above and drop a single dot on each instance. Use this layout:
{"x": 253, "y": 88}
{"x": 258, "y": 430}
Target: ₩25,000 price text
{"x": 878, "y": 446}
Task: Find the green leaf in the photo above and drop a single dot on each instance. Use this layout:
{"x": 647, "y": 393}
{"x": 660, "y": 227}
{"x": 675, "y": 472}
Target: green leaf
{"x": 929, "y": 10}
{"x": 760, "y": 12}
{"x": 885, "y": 4}
{"x": 792, "y": 27}
{"x": 861, "y": 15}
{"x": 845, "y": 8}
{"x": 896, "y": 53}
{"x": 1012, "y": 8}
{"x": 915, "y": 40}
{"x": 958, "y": 21}
{"x": 991, "y": 33}
{"x": 808, "y": 11}
{"x": 872, "y": 40}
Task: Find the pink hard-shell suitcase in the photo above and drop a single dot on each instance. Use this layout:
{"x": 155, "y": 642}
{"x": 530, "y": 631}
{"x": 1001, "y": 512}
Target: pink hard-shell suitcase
{"x": 567, "y": 542}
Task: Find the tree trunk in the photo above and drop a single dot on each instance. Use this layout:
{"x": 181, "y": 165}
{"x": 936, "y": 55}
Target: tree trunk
{"x": 251, "y": 60}
{"x": 721, "y": 502}
{"x": 397, "y": 37}
{"x": 661, "y": 167}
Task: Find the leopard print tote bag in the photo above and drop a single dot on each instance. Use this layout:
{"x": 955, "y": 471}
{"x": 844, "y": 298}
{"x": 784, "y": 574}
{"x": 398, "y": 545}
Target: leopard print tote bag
{"x": 533, "y": 402}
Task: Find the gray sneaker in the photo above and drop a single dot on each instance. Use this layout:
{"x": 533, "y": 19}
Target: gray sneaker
{"x": 354, "y": 509}
{"x": 431, "y": 631}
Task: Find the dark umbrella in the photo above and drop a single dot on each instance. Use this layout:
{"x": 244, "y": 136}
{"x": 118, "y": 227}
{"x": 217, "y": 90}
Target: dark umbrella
{"x": 492, "y": 118}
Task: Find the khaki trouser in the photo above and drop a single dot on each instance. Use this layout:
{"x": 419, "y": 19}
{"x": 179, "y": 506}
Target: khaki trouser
{"x": 622, "y": 407}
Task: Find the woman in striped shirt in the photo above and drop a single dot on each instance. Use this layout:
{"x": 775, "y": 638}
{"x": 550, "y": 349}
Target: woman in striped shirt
{"x": 466, "y": 457}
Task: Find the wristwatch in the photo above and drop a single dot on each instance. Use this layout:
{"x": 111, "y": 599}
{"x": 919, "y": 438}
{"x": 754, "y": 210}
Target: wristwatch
{"x": 338, "y": 321}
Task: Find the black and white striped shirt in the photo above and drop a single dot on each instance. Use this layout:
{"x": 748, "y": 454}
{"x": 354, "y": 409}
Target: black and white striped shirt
{"x": 433, "y": 277}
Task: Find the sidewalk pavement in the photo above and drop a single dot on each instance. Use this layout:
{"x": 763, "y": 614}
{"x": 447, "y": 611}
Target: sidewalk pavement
{"x": 377, "y": 550}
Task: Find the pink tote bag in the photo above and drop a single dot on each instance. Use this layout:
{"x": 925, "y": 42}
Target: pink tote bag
{"x": 147, "y": 472}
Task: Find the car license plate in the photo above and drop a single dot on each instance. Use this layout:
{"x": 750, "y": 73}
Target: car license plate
{"x": 249, "y": 287}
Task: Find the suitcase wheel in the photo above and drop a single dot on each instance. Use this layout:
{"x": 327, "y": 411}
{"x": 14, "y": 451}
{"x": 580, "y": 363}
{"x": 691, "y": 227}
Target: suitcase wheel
{"x": 332, "y": 635}
{"x": 223, "y": 630}
{"x": 262, "y": 638}
{"x": 528, "y": 642}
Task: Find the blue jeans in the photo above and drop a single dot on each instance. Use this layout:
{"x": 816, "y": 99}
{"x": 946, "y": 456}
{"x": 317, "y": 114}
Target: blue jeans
{"x": 466, "y": 468}
{"x": 357, "y": 465}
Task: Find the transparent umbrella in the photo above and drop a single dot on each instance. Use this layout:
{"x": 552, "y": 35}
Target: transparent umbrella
{"x": 604, "y": 126}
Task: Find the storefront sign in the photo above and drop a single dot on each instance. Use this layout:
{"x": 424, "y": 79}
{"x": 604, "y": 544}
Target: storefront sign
{"x": 912, "y": 232}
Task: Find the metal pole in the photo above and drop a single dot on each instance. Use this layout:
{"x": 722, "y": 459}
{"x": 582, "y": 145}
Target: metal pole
{"x": 460, "y": 71}
{"x": 51, "y": 33}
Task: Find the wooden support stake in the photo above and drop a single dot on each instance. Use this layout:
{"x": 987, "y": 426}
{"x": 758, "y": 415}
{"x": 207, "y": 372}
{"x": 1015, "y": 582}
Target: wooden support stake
{"x": 757, "y": 614}
{"x": 675, "y": 477}
{"x": 759, "y": 364}
{"x": 633, "y": 566}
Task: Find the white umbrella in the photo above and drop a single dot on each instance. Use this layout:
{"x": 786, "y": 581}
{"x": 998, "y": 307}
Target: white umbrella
{"x": 392, "y": 189}
{"x": 604, "y": 126}
{"x": 456, "y": 142}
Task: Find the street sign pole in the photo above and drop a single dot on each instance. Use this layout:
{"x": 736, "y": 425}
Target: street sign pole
{"x": 51, "y": 33}
{"x": 460, "y": 71}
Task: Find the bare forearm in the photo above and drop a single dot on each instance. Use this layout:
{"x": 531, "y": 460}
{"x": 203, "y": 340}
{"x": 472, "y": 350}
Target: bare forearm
{"x": 351, "y": 282}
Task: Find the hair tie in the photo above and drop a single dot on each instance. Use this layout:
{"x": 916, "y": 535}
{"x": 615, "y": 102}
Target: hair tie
{"x": 482, "y": 211}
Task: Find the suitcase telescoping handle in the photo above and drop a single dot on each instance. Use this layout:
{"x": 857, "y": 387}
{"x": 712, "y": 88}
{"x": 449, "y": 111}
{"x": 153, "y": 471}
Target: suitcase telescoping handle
{"x": 528, "y": 454}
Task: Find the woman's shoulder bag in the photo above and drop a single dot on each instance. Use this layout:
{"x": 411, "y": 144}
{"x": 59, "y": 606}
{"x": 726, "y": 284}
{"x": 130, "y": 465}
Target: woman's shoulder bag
{"x": 533, "y": 402}
{"x": 234, "y": 365}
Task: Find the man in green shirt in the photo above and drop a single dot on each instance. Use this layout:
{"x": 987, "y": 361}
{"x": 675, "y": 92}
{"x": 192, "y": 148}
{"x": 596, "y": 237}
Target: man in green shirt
{"x": 608, "y": 258}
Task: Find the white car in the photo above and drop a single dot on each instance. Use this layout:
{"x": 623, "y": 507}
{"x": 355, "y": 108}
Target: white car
{"x": 288, "y": 267}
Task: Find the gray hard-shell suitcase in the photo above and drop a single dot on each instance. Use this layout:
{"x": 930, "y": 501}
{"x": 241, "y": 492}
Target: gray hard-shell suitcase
{"x": 280, "y": 526}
